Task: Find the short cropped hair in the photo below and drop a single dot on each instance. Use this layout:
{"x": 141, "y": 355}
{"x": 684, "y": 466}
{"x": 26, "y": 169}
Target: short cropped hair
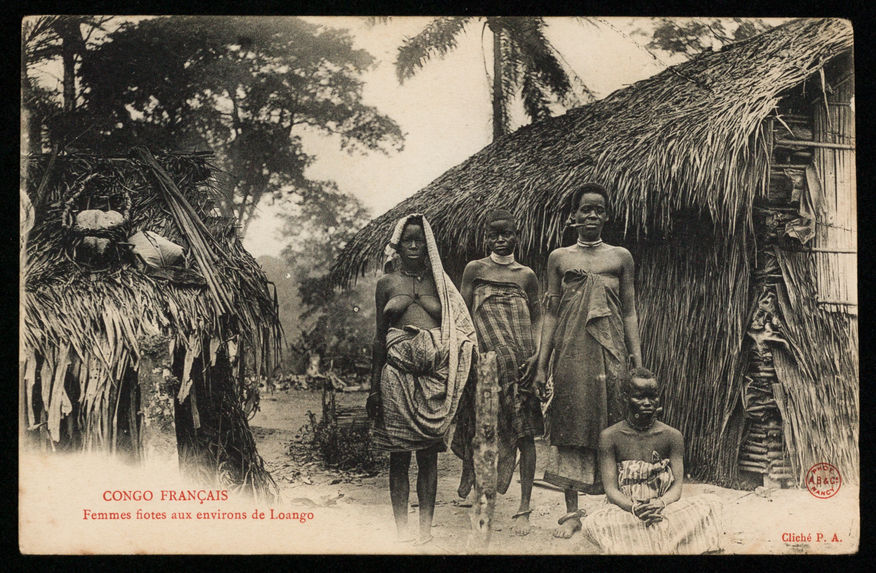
{"x": 499, "y": 215}
{"x": 589, "y": 188}
{"x": 641, "y": 374}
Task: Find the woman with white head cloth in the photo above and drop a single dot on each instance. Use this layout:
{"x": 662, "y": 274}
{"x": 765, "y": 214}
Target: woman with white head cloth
{"x": 422, "y": 355}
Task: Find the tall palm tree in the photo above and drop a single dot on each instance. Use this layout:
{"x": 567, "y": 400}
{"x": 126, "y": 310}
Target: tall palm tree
{"x": 523, "y": 59}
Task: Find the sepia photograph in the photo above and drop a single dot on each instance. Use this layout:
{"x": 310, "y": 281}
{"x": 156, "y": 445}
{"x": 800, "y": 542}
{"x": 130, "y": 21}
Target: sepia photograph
{"x": 438, "y": 285}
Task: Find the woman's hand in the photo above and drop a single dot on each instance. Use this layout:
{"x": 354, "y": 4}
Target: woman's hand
{"x": 539, "y": 381}
{"x": 528, "y": 368}
{"x": 650, "y": 512}
{"x": 373, "y": 406}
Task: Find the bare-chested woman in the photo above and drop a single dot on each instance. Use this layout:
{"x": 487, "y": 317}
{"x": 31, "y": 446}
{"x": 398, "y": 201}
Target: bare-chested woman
{"x": 642, "y": 465}
{"x": 502, "y": 295}
{"x": 421, "y": 359}
{"x": 589, "y": 334}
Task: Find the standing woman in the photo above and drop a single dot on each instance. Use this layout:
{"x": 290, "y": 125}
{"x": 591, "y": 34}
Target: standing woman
{"x": 421, "y": 360}
{"x": 589, "y": 334}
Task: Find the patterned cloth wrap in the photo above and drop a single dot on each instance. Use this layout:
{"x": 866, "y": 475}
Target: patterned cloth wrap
{"x": 589, "y": 359}
{"x": 691, "y": 525}
{"x": 503, "y": 324}
{"x": 426, "y": 370}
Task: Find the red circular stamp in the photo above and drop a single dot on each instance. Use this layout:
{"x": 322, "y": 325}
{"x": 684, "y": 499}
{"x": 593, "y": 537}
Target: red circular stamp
{"x": 823, "y": 480}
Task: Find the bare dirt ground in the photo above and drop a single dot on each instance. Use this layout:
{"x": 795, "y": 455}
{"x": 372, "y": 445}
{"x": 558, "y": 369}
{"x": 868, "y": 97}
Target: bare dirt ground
{"x": 351, "y": 513}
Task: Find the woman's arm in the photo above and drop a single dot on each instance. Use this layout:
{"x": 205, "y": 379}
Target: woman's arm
{"x": 378, "y": 348}
{"x": 466, "y": 289}
{"x": 535, "y": 313}
{"x": 535, "y": 318}
{"x": 608, "y": 469}
{"x": 630, "y": 316}
{"x": 549, "y": 321}
{"x": 676, "y": 463}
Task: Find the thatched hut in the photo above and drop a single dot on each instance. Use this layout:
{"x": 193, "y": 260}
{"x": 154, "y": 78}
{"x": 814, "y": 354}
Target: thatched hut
{"x": 733, "y": 185}
{"x": 139, "y": 334}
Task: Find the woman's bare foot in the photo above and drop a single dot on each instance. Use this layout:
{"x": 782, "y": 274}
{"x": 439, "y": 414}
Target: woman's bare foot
{"x": 569, "y": 524}
{"x": 423, "y": 540}
{"x": 467, "y": 501}
{"x": 403, "y": 534}
{"x": 520, "y": 523}
{"x": 568, "y": 528}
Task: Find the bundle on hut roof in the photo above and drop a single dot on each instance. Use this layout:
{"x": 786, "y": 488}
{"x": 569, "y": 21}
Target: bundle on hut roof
{"x": 684, "y": 154}
{"x": 91, "y": 321}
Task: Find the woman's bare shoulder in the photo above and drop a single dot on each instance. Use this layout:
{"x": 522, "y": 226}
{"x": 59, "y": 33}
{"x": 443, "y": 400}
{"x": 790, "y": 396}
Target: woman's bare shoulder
{"x": 475, "y": 267}
{"x": 667, "y": 431}
{"x": 608, "y": 436}
{"x": 621, "y": 252}
{"x": 560, "y": 253}
{"x": 528, "y": 274}
{"x": 386, "y": 281}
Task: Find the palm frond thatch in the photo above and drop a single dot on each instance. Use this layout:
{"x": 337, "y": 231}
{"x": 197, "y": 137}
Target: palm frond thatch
{"x": 823, "y": 409}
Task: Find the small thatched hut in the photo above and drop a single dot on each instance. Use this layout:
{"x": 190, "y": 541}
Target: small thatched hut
{"x": 138, "y": 334}
{"x": 734, "y": 187}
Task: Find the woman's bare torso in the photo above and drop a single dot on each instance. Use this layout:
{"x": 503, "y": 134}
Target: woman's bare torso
{"x": 630, "y": 444}
{"x": 604, "y": 260}
{"x": 411, "y": 302}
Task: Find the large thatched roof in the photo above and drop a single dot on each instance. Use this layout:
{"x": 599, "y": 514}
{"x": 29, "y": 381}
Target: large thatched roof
{"x": 686, "y": 138}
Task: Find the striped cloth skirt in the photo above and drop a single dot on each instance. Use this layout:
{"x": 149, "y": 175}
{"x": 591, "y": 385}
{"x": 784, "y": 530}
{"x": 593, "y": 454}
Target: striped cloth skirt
{"x": 413, "y": 392}
{"x": 691, "y": 525}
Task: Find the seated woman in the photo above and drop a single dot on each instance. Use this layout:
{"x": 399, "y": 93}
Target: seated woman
{"x": 422, "y": 355}
{"x": 641, "y": 460}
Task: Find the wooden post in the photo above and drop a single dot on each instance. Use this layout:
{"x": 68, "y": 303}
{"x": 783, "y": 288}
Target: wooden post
{"x": 485, "y": 456}
{"x": 157, "y": 394}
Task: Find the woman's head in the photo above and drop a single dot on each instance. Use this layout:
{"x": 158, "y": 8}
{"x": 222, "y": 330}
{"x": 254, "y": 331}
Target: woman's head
{"x": 501, "y": 232}
{"x": 590, "y": 210}
{"x": 641, "y": 391}
{"x": 411, "y": 246}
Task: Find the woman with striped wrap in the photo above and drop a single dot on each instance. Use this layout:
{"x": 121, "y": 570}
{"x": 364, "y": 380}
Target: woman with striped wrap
{"x": 421, "y": 360}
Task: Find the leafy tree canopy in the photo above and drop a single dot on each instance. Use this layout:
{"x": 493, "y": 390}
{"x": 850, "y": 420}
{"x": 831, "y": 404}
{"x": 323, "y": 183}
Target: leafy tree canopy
{"x": 524, "y": 63}
{"x": 244, "y": 87}
{"x": 338, "y": 325}
{"x": 689, "y": 37}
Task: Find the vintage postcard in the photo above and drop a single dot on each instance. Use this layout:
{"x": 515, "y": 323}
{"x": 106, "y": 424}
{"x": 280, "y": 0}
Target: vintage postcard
{"x": 438, "y": 285}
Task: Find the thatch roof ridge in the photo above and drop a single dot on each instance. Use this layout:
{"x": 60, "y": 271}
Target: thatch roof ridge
{"x": 192, "y": 172}
{"x": 686, "y": 138}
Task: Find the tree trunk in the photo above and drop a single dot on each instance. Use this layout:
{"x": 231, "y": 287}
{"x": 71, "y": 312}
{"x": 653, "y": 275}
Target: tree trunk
{"x": 499, "y": 117}
{"x": 158, "y": 441}
{"x": 71, "y": 40}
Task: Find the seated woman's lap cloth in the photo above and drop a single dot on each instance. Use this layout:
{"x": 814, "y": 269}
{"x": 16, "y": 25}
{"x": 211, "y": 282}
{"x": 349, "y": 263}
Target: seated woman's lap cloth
{"x": 691, "y": 525}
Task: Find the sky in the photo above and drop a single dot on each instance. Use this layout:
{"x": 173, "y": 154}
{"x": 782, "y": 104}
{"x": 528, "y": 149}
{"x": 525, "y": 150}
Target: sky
{"x": 445, "y": 110}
